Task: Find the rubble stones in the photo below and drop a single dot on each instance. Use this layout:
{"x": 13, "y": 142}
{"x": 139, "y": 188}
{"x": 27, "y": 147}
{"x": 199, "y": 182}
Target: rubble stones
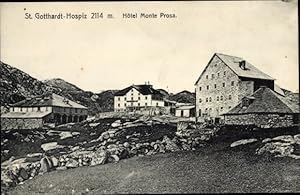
{"x": 170, "y": 145}
{"x": 72, "y": 163}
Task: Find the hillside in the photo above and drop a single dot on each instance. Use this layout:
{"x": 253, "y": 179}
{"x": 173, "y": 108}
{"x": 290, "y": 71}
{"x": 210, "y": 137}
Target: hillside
{"x": 16, "y": 85}
{"x": 183, "y": 97}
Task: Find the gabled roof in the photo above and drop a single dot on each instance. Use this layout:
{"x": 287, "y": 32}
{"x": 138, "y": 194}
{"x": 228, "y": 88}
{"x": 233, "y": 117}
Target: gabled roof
{"x": 265, "y": 100}
{"x": 48, "y": 99}
{"x": 143, "y": 89}
{"x": 25, "y": 114}
{"x": 233, "y": 63}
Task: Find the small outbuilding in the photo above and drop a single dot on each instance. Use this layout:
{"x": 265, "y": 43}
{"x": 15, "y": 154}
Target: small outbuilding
{"x": 185, "y": 111}
{"x": 266, "y": 109}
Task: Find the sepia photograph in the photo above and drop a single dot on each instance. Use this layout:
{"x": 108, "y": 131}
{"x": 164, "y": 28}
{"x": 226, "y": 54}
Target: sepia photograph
{"x": 149, "y": 97}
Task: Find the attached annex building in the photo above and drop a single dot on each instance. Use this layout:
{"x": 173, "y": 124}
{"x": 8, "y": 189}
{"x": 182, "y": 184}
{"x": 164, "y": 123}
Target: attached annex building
{"x": 49, "y": 108}
{"x": 137, "y": 97}
{"x": 224, "y": 82}
{"x": 265, "y": 108}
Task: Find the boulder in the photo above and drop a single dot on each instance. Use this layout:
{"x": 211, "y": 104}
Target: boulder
{"x": 283, "y": 149}
{"x": 266, "y": 140}
{"x": 297, "y": 139}
{"x": 99, "y": 158}
{"x": 65, "y": 135}
{"x": 46, "y": 165}
{"x": 72, "y": 163}
{"x": 54, "y": 161}
{"x": 242, "y": 142}
{"x": 51, "y": 146}
{"x": 114, "y": 158}
{"x": 285, "y": 138}
{"x": 126, "y": 144}
{"x": 170, "y": 145}
{"x": 23, "y": 174}
{"x": 117, "y": 123}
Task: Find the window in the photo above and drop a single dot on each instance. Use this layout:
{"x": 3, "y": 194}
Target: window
{"x": 156, "y": 103}
{"x": 217, "y": 98}
{"x": 139, "y": 93}
{"x": 138, "y": 104}
{"x": 200, "y": 100}
{"x": 205, "y": 109}
{"x": 212, "y": 76}
{"x": 206, "y": 99}
{"x": 223, "y": 84}
{"x": 131, "y": 103}
{"x": 132, "y": 90}
{"x": 146, "y": 104}
{"x": 229, "y": 97}
{"x": 221, "y": 98}
{"x": 118, "y": 98}
{"x": 199, "y": 112}
{"x": 232, "y": 83}
{"x": 215, "y": 86}
{"x": 199, "y": 88}
{"x": 131, "y": 94}
{"x": 146, "y": 97}
{"x": 125, "y": 104}
{"x": 65, "y": 109}
{"x": 139, "y": 98}
{"x": 206, "y": 76}
{"x": 131, "y": 98}
{"x": 209, "y": 99}
{"x": 221, "y": 109}
{"x": 224, "y": 73}
{"x": 75, "y": 110}
{"x": 39, "y": 108}
{"x": 207, "y": 87}
{"x": 125, "y": 98}
{"x": 229, "y": 107}
{"x": 21, "y": 109}
{"x": 218, "y": 74}
{"x": 118, "y": 105}
{"x": 13, "y": 109}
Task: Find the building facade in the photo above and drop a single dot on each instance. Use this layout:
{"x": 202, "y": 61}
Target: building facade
{"x": 45, "y": 109}
{"x": 138, "y": 97}
{"x": 223, "y": 83}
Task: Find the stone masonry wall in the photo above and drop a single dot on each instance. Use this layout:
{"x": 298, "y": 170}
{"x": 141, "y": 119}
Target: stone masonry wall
{"x": 7, "y": 123}
{"x": 260, "y": 120}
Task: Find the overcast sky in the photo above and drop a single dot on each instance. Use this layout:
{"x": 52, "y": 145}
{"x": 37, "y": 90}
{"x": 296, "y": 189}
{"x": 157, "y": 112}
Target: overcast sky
{"x": 115, "y": 53}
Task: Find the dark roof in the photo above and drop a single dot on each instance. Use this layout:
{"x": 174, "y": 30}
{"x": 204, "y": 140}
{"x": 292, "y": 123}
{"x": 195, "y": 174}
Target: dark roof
{"x": 48, "y": 99}
{"x": 143, "y": 89}
{"x": 233, "y": 63}
{"x": 265, "y": 100}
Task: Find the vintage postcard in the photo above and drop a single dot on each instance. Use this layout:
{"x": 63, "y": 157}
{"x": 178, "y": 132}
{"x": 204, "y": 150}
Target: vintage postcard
{"x": 149, "y": 97}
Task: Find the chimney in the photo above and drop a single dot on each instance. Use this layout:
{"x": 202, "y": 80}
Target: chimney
{"x": 242, "y": 64}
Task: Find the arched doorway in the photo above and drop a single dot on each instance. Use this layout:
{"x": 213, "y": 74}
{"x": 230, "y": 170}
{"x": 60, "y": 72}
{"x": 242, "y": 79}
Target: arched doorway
{"x": 75, "y": 119}
{"x": 64, "y": 119}
{"x": 70, "y": 118}
{"x": 57, "y": 119}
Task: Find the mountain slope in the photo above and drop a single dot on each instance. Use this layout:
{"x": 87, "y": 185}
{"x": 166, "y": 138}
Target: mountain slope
{"x": 16, "y": 85}
{"x": 183, "y": 97}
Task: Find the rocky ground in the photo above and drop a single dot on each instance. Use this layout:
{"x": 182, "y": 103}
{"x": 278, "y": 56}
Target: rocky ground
{"x": 98, "y": 141}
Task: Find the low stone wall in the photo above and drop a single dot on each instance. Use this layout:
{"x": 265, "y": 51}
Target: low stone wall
{"x": 10, "y": 123}
{"x": 260, "y": 120}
